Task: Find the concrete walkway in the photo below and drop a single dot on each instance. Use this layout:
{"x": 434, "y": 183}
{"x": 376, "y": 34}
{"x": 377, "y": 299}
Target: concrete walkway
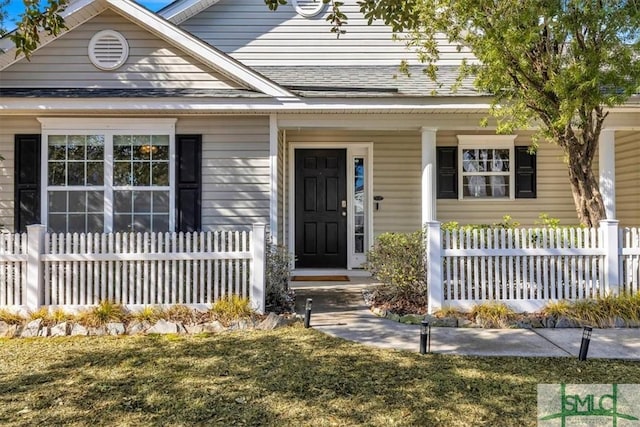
{"x": 338, "y": 309}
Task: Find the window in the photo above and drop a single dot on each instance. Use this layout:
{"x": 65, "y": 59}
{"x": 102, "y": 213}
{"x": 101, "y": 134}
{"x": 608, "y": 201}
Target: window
{"x": 486, "y": 167}
{"x": 116, "y": 176}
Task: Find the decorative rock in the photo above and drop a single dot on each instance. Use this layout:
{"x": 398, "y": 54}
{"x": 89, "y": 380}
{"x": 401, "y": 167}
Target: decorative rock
{"x": 59, "y": 330}
{"x": 523, "y": 324}
{"x": 44, "y": 332}
{"x": 464, "y": 323}
{"x": 412, "y": 319}
{"x": 32, "y": 329}
{"x": 9, "y": 331}
{"x": 272, "y": 321}
{"x": 549, "y": 322}
{"x": 164, "y": 327}
{"x": 213, "y": 326}
{"x": 138, "y": 327}
{"x": 98, "y": 332}
{"x": 78, "y": 330}
{"x": 564, "y": 322}
{"x": 380, "y": 312}
{"x": 618, "y": 322}
{"x": 393, "y": 316}
{"x": 446, "y": 322}
{"x": 115, "y": 328}
{"x": 242, "y": 325}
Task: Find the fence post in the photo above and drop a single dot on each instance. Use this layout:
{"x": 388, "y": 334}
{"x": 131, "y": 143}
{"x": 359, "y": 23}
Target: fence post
{"x": 258, "y": 267}
{"x": 434, "y": 265}
{"x": 35, "y": 270}
{"x": 610, "y": 241}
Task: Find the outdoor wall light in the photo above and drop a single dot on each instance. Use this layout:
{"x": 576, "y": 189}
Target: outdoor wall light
{"x": 307, "y": 313}
{"x": 584, "y": 345}
{"x": 425, "y": 337}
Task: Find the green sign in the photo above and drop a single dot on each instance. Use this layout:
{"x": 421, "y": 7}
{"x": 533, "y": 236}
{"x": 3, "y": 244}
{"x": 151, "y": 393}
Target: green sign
{"x": 568, "y": 405}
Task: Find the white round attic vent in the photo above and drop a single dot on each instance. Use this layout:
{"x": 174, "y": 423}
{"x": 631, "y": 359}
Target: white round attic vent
{"x": 108, "y": 50}
{"x": 308, "y": 8}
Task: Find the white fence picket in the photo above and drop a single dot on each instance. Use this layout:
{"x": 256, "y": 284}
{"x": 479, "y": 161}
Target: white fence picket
{"x": 525, "y": 267}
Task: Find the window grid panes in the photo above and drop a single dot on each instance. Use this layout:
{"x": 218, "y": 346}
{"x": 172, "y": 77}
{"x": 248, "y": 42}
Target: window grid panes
{"x": 486, "y": 173}
{"x": 358, "y": 205}
{"x": 139, "y": 199}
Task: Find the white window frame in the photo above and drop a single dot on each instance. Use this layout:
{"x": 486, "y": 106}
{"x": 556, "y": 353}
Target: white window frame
{"x": 487, "y": 142}
{"x": 108, "y": 128}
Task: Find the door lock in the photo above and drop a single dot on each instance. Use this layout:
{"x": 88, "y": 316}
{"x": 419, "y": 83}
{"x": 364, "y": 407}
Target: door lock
{"x": 344, "y": 203}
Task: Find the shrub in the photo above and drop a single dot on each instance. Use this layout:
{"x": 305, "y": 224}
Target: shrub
{"x": 492, "y": 314}
{"x": 149, "y": 314}
{"x": 103, "y": 313}
{"x": 278, "y": 297}
{"x": 10, "y": 317}
{"x": 398, "y": 261}
{"x": 231, "y": 308}
{"x": 180, "y": 313}
{"x": 557, "y": 309}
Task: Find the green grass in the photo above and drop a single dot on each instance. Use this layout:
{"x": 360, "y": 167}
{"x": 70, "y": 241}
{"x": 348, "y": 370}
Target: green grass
{"x": 291, "y": 376}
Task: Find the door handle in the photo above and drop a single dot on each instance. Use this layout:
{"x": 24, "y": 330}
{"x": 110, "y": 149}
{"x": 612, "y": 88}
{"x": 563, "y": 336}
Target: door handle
{"x": 344, "y": 213}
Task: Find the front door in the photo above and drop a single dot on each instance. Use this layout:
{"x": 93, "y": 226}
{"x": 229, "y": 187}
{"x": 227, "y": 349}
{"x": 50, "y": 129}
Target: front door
{"x": 321, "y": 210}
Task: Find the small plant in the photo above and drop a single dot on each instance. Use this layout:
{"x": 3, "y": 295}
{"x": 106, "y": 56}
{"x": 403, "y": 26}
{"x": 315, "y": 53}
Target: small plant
{"x": 557, "y": 309}
{"x": 149, "y": 314}
{"x": 180, "y": 313}
{"x": 448, "y": 311}
{"x": 278, "y": 298}
{"x": 548, "y": 222}
{"x": 231, "y": 308}
{"x": 103, "y": 313}
{"x": 398, "y": 261}
{"x": 10, "y": 317}
{"x": 492, "y": 314}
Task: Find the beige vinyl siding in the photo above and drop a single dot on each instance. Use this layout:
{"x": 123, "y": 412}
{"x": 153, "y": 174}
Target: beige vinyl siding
{"x": 235, "y": 169}
{"x": 553, "y": 193}
{"x": 9, "y": 127}
{"x": 152, "y": 63}
{"x": 248, "y": 31}
{"x": 628, "y": 178}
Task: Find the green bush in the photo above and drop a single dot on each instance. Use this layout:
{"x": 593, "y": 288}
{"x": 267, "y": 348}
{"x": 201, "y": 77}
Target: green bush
{"x": 492, "y": 314}
{"x": 397, "y": 260}
{"x": 231, "y": 308}
{"x": 279, "y": 298}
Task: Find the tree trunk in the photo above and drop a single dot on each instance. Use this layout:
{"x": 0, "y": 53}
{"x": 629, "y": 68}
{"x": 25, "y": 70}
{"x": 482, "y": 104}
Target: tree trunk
{"x": 585, "y": 189}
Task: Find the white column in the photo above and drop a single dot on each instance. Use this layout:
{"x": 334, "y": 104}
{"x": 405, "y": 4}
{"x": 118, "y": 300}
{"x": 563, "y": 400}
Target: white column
{"x": 607, "y": 169}
{"x": 35, "y": 271}
{"x": 610, "y": 240}
{"x": 428, "y": 174}
{"x": 433, "y": 241}
{"x": 257, "y": 291}
{"x": 273, "y": 165}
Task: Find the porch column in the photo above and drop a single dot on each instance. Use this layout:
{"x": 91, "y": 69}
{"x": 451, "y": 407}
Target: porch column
{"x": 428, "y": 174}
{"x": 273, "y": 166}
{"x": 607, "y": 171}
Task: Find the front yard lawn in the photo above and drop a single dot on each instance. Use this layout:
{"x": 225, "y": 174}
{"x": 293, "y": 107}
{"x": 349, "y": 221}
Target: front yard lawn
{"x": 290, "y": 376}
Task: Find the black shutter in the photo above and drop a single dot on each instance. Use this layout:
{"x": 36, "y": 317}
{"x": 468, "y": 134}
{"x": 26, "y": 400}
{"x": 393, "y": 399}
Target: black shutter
{"x": 525, "y": 174}
{"x": 447, "y": 178}
{"x": 189, "y": 182}
{"x": 27, "y": 181}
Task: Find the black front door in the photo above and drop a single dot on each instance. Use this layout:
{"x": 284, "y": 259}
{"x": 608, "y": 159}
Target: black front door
{"x": 321, "y": 212}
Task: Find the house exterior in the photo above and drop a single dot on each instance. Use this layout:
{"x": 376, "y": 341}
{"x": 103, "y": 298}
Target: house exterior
{"x": 221, "y": 114}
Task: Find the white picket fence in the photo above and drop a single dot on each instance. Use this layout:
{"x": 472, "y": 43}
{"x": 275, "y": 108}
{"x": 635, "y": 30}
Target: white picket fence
{"x": 73, "y": 271}
{"x": 527, "y": 268}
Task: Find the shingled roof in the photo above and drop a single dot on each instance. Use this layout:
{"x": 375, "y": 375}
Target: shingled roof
{"x": 366, "y": 81}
